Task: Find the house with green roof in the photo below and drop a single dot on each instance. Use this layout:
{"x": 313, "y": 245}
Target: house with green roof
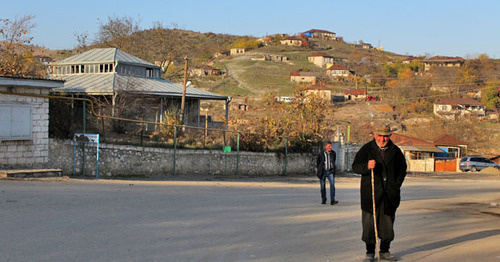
{"x": 107, "y": 73}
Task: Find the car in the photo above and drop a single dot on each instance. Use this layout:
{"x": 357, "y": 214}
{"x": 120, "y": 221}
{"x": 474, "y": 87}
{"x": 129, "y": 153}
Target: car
{"x": 476, "y": 163}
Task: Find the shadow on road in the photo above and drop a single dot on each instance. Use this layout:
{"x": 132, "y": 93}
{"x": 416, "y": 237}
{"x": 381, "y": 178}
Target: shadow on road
{"x": 449, "y": 242}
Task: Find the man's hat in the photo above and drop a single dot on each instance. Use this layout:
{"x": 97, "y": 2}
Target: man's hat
{"x": 382, "y": 130}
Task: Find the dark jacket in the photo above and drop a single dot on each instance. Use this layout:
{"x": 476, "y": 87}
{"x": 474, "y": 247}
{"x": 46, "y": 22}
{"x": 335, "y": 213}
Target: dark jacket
{"x": 393, "y": 168}
{"x": 320, "y": 163}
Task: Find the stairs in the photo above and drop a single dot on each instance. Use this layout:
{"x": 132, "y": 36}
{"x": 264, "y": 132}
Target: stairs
{"x": 30, "y": 173}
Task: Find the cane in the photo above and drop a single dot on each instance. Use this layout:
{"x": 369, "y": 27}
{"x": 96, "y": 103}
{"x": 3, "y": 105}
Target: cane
{"x": 375, "y": 217}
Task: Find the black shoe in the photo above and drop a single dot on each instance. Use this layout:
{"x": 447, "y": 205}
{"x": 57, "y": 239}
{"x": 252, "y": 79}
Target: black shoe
{"x": 334, "y": 202}
{"x": 387, "y": 256}
{"x": 370, "y": 257}
{"x": 323, "y": 202}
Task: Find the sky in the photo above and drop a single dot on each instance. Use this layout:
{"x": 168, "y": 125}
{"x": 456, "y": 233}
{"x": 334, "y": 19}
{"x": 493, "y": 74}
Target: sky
{"x": 423, "y": 27}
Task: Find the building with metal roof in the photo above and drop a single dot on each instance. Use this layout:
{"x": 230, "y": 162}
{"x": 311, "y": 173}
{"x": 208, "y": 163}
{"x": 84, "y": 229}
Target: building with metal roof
{"x": 111, "y": 72}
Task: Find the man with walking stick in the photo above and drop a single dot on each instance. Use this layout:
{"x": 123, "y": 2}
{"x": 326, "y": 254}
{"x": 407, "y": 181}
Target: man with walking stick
{"x": 382, "y": 166}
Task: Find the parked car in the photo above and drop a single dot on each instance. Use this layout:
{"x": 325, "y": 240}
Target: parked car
{"x": 476, "y": 163}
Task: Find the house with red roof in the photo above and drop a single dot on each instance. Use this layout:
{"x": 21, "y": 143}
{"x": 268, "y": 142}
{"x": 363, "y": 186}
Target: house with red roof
{"x": 456, "y": 108}
{"x": 419, "y": 154}
{"x": 321, "y": 34}
{"x": 354, "y": 94}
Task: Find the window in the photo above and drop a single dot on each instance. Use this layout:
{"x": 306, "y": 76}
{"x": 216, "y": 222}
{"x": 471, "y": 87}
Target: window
{"x": 16, "y": 122}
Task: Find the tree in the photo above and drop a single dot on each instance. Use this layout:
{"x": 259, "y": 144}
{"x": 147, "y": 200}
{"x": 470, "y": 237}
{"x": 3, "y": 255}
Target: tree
{"x": 16, "y": 56}
{"x": 490, "y": 95}
{"x": 115, "y": 29}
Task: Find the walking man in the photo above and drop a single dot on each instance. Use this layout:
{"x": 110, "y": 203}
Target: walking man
{"x": 388, "y": 164}
{"x": 325, "y": 169}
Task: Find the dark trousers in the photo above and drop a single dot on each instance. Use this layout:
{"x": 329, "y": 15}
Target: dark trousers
{"x": 385, "y": 228}
{"x": 322, "y": 182}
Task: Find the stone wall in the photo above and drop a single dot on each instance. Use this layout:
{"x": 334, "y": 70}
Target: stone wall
{"x": 126, "y": 160}
{"x": 27, "y": 153}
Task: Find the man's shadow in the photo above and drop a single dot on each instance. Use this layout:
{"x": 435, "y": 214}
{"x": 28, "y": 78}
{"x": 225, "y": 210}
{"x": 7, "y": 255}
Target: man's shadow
{"x": 449, "y": 242}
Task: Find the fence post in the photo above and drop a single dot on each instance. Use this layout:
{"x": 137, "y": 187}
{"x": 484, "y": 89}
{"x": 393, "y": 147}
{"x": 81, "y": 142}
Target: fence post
{"x": 175, "y": 145}
{"x": 286, "y": 154}
{"x": 84, "y": 131}
{"x": 238, "y": 155}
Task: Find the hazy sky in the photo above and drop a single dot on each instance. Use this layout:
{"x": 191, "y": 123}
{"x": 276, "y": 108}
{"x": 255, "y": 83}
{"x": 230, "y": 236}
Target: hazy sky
{"x": 424, "y": 27}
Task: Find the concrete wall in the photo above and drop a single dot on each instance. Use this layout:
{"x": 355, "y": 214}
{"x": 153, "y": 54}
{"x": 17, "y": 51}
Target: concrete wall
{"x": 125, "y": 160}
{"x": 27, "y": 153}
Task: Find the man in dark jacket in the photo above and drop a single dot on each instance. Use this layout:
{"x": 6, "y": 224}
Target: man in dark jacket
{"x": 389, "y": 167}
{"x": 325, "y": 168}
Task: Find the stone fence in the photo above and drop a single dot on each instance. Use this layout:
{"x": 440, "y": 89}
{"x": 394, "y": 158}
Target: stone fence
{"x": 137, "y": 161}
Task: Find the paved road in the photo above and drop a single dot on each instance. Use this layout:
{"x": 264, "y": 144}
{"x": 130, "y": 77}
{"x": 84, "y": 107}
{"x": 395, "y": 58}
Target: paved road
{"x": 88, "y": 220}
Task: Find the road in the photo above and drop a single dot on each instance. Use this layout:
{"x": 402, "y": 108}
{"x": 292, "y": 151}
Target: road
{"x": 440, "y": 219}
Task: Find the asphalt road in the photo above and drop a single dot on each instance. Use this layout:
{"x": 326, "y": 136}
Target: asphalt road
{"x": 440, "y": 219}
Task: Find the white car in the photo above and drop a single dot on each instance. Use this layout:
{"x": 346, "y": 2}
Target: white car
{"x": 476, "y": 163}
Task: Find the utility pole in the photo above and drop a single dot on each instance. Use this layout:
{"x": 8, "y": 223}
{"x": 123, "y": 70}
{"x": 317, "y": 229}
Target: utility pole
{"x": 183, "y": 101}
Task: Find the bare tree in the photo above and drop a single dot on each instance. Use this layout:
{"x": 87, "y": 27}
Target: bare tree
{"x": 17, "y": 30}
{"x": 115, "y": 29}
{"x": 81, "y": 40}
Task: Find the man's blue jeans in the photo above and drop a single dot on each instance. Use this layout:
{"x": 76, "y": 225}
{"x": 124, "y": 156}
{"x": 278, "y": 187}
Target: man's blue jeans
{"x": 322, "y": 182}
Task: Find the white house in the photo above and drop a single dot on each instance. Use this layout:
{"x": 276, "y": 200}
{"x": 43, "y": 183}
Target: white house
{"x": 454, "y": 108}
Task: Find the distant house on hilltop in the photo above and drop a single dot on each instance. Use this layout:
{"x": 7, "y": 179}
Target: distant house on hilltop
{"x": 337, "y": 70}
{"x": 443, "y": 61}
{"x": 320, "y": 34}
{"x": 354, "y": 94}
{"x": 292, "y": 41}
{"x": 303, "y": 77}
{"x": 205, "y": 70}
{"x": 237, "y": 51}
{"x": 318, "y": 90}
{"x": 321, "y": 59}
{"x": 455, "y": 108}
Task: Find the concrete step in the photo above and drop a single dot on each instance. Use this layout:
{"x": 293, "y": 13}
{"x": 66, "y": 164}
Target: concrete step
{"x": 30, "y": 173}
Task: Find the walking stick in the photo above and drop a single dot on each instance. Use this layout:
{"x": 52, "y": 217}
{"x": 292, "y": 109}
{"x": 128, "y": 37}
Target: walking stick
{"x": 375, "y": 216}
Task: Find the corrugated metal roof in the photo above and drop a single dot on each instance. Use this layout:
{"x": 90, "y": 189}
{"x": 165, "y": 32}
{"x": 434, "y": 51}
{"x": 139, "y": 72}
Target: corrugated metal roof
{"x": 422, "y": 149}
{"x": 104, "y": 55}
{"x": 102, "y": 84}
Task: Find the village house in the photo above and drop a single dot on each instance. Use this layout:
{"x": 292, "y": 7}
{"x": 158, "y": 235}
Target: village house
{"x": 272, "y": 58}
{"x": 354, "y": 94}
{"x": 205, "y": 70}
{"x": 237, "y": 51}
{"x": 304, "y": 77}
{"x": 292, "y": 41}
{"x": 337, "y": 70}
{"x": 318, "y": 90}
{"x": 24, "y": 122}
{"x": 106, "y": 73}
{"x": 443, "y": 61}
{"x": 456, "y": 108}
{"x": 321, "y": 59}
{"x": 320, "y": 34}
{"x": 419, "y": 154}
{"x": 453, "y": 150}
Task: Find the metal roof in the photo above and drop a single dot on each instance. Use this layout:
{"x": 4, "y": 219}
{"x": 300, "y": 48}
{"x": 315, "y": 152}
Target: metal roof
{"x": 104, "y": 55}
{"x": 30, "y": 82}
{"x": 104, "y": 84}
{"x": 422, "y": 149}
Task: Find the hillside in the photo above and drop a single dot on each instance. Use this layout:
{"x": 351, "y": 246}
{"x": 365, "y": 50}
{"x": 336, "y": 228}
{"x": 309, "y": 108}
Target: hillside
{"x": 247, "y": 78}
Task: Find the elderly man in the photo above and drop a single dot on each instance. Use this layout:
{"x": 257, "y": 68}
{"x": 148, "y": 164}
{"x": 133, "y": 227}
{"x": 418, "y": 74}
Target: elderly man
{"x": 325, "y": 169}
{"x": 388, "y": 164}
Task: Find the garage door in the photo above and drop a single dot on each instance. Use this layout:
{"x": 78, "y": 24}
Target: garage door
{"x": 445, "y": 165}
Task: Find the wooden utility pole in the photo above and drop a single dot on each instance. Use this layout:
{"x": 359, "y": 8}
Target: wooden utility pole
{"x": 183, "y": 101}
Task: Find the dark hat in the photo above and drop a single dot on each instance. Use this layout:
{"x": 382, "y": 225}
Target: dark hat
{"x": 382, "y": 130}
